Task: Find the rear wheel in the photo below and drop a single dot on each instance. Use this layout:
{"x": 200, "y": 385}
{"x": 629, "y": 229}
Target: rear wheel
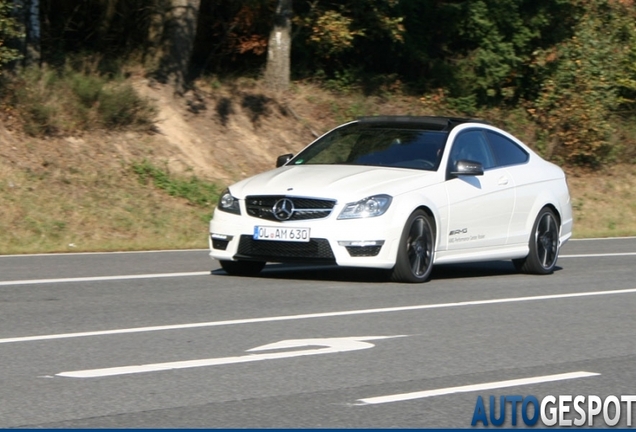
{"x": 242, "y": 268}
{"x": 544, "y": 245}
{"x": 414, "y": 261}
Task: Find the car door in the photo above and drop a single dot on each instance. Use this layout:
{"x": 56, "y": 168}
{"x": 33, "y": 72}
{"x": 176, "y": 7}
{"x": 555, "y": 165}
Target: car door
{"x": 480, "y": 207}
{"x": 510, "y": 155}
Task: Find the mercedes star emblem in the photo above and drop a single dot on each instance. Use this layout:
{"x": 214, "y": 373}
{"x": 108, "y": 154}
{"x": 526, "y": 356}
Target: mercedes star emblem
{"x": 283, "y": 209}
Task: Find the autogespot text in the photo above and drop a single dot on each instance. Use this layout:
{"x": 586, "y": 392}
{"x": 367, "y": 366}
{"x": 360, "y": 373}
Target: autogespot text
{"x": 562, "y": 410}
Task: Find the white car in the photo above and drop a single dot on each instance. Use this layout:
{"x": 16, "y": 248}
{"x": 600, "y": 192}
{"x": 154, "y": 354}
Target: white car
{"x": 402, "y": 194}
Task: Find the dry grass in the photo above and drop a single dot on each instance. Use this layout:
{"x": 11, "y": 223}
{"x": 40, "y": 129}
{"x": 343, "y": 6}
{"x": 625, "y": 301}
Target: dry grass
{"x": 94, "y": 211}
{"x": 604, "y": 202}
{"x": 82, "y": 194}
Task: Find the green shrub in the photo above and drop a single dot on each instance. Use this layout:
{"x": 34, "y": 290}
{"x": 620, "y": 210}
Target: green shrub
{"x": 121, "y": 106}
{"x": 60, "y": 102}
{"x": 32, "y": 95}
{"x": 87, "y": 88}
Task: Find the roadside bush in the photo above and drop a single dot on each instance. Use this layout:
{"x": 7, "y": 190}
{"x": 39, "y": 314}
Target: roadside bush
{"x": 52, "y": 102}
{"x": 33, "y": 96}
{"x": 120, "y": 106}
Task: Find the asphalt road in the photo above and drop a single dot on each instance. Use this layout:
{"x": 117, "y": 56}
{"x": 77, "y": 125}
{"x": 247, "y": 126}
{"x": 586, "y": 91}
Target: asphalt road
{"x": 156, "y": 340}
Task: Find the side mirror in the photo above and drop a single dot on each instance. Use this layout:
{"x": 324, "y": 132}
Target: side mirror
{"x": 282, "y": 160}
{"x": 467, "y": 168}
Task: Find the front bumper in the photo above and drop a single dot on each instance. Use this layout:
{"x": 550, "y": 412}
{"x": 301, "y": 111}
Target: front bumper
{"x": 371, "y": 242}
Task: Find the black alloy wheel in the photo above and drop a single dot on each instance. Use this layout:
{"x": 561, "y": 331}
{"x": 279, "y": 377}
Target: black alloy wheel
{"x": 544, "y": 245}
{"x": 416, "y": 250}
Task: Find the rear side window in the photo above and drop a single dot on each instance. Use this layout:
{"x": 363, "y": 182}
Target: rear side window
{"x": 506, "y": 151}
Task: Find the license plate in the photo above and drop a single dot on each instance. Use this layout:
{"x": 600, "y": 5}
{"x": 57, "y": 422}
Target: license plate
{"x": 281, "y": 234}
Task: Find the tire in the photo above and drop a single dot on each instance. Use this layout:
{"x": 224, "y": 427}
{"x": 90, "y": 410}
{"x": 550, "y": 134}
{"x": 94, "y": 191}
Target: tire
{"x": 416, "y": 250}
{"x": 242, "y": 268}
{"x": 544, "y": 245}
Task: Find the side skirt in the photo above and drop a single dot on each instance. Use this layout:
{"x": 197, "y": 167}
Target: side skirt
{"x": 482, "y": 254}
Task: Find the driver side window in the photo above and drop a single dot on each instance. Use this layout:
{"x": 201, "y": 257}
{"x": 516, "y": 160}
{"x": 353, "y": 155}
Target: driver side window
{"x": 471, "y": 145}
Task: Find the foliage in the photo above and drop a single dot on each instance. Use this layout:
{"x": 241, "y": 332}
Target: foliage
{"x": 60, "y": 102}
{"x": 197, "y": 192}
{"x": 588, "y": 83}
{"x": 9, "y": 29}
{"x": 330, "y": 31}
{"x": 343, "y": 81}
{"x": 487, "y": 54}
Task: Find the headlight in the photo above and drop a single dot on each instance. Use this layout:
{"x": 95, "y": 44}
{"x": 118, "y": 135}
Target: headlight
{"x": 372, "y": 206}
{"x": 228, "y": 203}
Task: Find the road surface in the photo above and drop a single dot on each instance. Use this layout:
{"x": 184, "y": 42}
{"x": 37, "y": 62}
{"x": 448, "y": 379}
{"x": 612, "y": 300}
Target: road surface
{"x": 167, "y": 340}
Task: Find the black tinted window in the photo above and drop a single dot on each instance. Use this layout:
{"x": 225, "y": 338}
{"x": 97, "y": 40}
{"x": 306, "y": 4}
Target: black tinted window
{"x": 506, "y": 151}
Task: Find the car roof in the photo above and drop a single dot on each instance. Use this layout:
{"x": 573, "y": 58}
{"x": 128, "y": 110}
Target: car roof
{"x": 436, "y": 123}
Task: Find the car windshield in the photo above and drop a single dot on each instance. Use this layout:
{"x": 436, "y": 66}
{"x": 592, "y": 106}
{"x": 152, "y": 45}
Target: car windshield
{"x": 377, "y": 146}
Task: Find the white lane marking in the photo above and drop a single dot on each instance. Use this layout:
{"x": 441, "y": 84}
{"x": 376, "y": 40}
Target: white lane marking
{"x": 332, "y": 346}
{"x": 473, "y": 388}
{"x": 598, "y": 255}
{"x": 317, "y": 315}
{"x": 101, "y": 253}
{"x": 102, "y": 278}
{"x": 603, "y": 238}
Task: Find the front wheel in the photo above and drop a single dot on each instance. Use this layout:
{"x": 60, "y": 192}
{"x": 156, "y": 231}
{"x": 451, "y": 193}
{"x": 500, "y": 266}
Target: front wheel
{"x": 416, "y": 251}
{"x": 242, "y": 268}
{"x": 544, "y": 245}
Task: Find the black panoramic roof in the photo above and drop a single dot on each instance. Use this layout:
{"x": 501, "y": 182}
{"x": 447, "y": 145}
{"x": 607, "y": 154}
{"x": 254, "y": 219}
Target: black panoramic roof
{"x": 423, "y": 122}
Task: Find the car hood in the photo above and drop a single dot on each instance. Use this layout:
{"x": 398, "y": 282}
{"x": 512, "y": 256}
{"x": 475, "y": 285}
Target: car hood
{"x": 343, "y": 182}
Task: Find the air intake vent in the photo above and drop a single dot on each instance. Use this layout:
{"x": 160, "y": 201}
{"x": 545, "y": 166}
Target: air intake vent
{"x": 316, "y": 250}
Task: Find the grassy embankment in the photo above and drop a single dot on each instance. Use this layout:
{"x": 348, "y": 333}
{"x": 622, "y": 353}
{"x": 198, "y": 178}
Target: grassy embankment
{"x": 110, "y": 188}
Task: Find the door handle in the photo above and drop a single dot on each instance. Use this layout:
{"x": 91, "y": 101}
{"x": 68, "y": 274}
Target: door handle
{"x": 502, "y": 181}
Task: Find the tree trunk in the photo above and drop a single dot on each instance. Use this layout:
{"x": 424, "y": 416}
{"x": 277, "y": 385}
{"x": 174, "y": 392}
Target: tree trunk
{"x": 28, "y": 14}
{"x": 109, "y": 8}
{"x": 278, "y": 66}
{"x": 181, "y": 29}
{"x": 157, "y": 20}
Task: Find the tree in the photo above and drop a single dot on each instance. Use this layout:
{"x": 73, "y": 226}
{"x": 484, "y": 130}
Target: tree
{"x": 180, "y": 28}
{"x": 27, "y": 14}
{"x": 277, "y": 70}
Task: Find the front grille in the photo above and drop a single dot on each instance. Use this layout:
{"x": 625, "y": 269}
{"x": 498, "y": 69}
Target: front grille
{"x": 316, "y": 250}
{"x": 304, "y": 208}
{"x": 363, "y": 251}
